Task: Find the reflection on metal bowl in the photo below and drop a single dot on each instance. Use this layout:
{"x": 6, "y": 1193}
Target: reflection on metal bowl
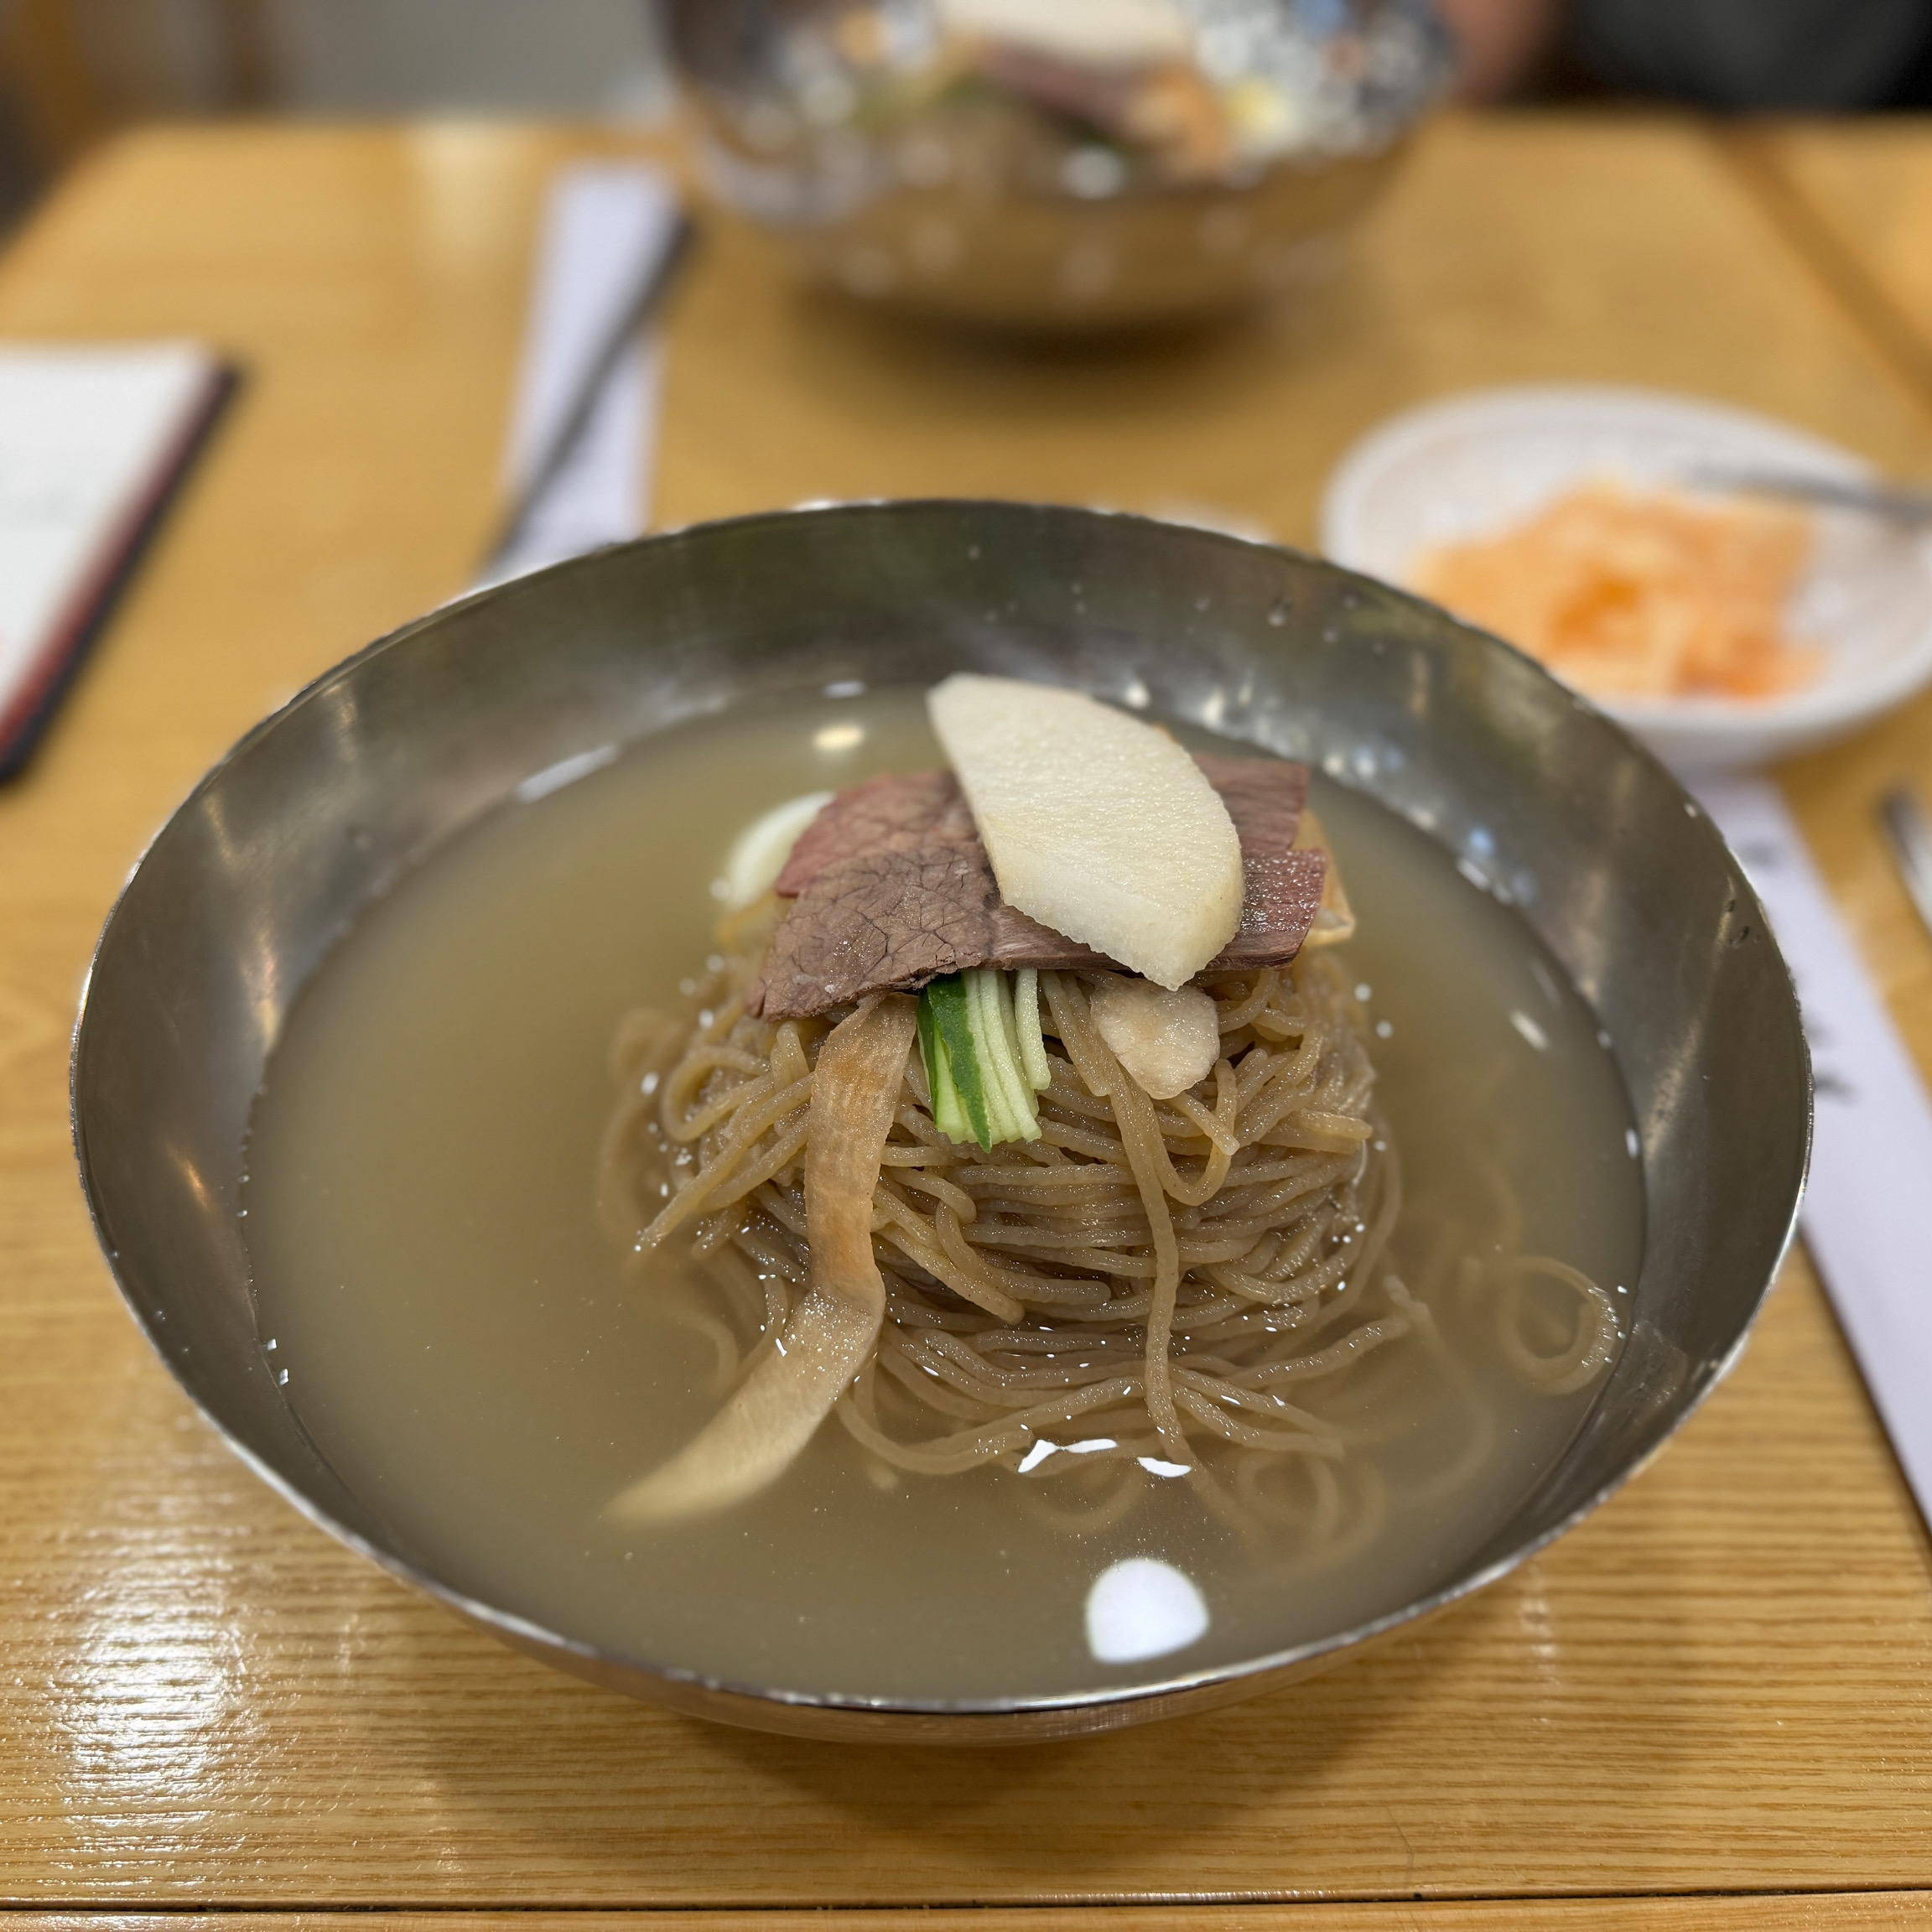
{"x": 384, "y": 760}
{"x": 1096, "y": 164}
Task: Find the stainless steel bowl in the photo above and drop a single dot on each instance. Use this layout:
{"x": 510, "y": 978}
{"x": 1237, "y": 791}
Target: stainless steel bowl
{"x": 386, "y": 757}
{"x": 1085, "y": 165}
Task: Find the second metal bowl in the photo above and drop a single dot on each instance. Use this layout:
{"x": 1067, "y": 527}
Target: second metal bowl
{"x": 1082, "y": 167}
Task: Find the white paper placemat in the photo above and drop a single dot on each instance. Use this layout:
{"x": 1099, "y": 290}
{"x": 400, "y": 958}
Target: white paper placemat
{"x": 604, "y": 228}
{"x": 1867, "y": 1215}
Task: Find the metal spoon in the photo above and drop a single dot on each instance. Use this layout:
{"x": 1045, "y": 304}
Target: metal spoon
{"x": 1909, "y": 507}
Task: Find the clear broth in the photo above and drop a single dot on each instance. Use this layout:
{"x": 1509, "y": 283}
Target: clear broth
{"x": 462, "y": 1343}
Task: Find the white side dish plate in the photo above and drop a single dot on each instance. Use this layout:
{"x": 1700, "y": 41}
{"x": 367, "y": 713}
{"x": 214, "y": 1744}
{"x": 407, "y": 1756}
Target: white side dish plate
{"x": 1479, "y": 463}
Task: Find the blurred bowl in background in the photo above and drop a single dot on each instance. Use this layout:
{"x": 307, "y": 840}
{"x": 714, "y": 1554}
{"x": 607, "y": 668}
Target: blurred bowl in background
{"x": 1080, "y": 166}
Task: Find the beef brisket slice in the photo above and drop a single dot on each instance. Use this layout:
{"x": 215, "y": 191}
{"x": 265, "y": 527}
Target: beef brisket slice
{"x": 1264, "y": 797}
{"x": 892, "y": 888}
{"x": 888, "y": 814}
{"x": 1281, "y": 887}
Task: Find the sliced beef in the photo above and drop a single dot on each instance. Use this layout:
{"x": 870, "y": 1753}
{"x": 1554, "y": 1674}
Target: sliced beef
{"x": 1282, "y": 894}
{"x": 891, "y": 887}
{"x": 888, "y": 814}
{"x": 1264, "y": 797}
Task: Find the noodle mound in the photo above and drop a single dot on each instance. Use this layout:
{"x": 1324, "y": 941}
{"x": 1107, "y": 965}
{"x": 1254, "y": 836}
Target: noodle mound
{"x": 1147, "y": 1284}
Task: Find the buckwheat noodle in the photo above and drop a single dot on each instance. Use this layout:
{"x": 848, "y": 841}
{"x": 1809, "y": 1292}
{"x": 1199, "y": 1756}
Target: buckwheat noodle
{"x": 1152, "y": 1287}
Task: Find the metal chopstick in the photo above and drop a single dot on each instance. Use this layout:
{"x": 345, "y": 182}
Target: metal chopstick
{"x": 1908, "y": 833}
{"x": 653, "y": 285}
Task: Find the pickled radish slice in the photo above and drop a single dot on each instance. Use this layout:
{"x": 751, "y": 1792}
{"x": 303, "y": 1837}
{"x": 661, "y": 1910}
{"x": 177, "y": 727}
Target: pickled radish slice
{"x": 776, "y": 1410}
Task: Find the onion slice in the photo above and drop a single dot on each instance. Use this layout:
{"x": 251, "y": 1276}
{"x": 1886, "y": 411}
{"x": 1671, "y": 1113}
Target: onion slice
{"x": 775, "y": 1412}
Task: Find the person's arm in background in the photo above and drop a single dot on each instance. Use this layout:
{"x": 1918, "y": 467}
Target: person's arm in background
{"x": 1501, "y": 45}
{"x": 1816, "y": 55}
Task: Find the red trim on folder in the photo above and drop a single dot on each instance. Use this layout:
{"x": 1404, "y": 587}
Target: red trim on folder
{"x": 32, "y": 703}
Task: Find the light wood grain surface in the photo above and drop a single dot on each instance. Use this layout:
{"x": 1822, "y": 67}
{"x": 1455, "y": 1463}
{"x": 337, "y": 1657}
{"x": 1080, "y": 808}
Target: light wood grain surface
{"x": 1721, "y": 1683}
{"x": 1812, "y": 1912}
{"x": 1857, "y": 198}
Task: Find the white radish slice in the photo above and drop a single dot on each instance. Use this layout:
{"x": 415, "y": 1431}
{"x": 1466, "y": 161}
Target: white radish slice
{"x": 1166, "y": 1041}
{"x": 1116, "y": 35}
{"x": 1096, "y": 824}
{"x": 776, "y": 1410}
{"x": 759, "y": 854}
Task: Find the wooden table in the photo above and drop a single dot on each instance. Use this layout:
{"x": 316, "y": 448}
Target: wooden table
{"x": 1710, "y": 1705}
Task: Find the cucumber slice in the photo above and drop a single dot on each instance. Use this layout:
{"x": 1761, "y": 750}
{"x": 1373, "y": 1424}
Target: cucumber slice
{"x": 973, "y": 1042}
{"x": 1032, "y": 1042}
{"x": 953, "y": 1024}
{"x": 1009, "y": 1105}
